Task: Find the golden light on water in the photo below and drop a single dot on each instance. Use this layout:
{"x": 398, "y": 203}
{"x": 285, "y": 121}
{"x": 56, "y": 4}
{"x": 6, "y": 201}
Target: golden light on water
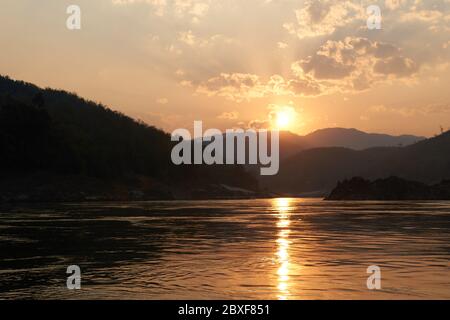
{"x": 283, "y": 223}
{"x": 282, "y": 206}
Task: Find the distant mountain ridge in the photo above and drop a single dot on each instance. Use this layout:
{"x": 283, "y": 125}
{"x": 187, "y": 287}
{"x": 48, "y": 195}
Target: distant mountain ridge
{"x": 356, "y": 139}
{"x": 291, "y": 143}
{"x": 318, "y": 170}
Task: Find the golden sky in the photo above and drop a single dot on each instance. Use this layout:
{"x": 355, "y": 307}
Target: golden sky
{"x": 240, "y": 63}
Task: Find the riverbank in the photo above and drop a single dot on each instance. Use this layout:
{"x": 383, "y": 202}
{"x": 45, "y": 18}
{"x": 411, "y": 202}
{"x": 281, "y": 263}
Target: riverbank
{"x": 45, "y": 187}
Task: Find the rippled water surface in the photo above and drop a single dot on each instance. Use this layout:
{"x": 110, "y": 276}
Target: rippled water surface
{"x": 241, "y": 249}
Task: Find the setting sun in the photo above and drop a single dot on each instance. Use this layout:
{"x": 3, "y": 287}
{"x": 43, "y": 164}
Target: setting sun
{"x": 282, "y": 120}
{"x": 283, "y": 117}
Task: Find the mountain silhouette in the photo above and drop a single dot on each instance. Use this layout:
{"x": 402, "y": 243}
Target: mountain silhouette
{"x": 317, "y": 170}
{"x": 356, "y": 139}
{"x": 291, "y": 143}
{"x": 54, "y": 144}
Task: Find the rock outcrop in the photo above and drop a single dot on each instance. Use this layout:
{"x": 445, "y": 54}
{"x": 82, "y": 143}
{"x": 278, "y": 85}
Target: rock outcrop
{"x": 392, "y": 188}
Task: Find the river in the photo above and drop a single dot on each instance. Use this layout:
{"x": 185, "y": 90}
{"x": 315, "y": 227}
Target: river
{"x": 236, "y": 249}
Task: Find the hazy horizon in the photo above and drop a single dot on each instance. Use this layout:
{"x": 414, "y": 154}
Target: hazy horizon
{"x": 299, "y": 65}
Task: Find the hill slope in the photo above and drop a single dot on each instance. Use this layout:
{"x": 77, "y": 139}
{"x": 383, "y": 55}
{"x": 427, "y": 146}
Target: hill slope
{"x": 53, "y": 135}
{"x": 319, "y": 169}
{"x": 358, "y": 140}
{"x": 291, "y": 143}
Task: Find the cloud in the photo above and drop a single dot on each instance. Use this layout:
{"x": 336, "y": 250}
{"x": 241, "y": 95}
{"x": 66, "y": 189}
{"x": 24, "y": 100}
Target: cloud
{"x": 282, "y": 45}
{"x": 228, "y": 115}
{"x": 324, "y": 67}
{"x": 193, "y": 9}
{"x": 349, "y": 65}
{"x": 353, "y": 64}
{"x": 162, "y": 101}
{"x": 192, "y": 40}
{"x": 410, "y": 111}
{"x": 159, "y": 6}
{"x": 431, "y": 15}
{"x": 244, "y": 87}
{"x": 259, "y": 124}
{"x": 300, "y": 87}
{"x": 436, "y": 108}
{"x": 422, "y": 15}
{"x": 323, "y": 17}
{"x": 180, "y": 72}
{"x": 196, "y": 8}
{"x": 394, "y": 4}
{"x": 304, "y": 87}
{"x": 235, "y": 86}
{"x": 398, "y": 66}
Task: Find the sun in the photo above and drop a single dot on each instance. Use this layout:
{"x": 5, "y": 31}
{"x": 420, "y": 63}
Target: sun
{"x": 282, "y": 120}
{"x": 282, "y": 117}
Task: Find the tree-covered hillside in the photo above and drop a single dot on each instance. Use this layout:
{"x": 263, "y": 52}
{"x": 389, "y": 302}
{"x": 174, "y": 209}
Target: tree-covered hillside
{"x": 52, "y": 131}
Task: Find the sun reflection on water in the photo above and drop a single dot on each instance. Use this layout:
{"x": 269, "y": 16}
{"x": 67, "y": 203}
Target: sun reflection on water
{"x": 283, "y": 207}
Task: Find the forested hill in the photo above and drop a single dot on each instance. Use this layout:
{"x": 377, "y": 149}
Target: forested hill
{"x": 55, "y": 130}
{"x": 320, "y": 169}
{"x": 59, "y": 133}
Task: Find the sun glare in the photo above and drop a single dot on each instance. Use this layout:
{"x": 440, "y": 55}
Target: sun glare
{"x": 282, "y": 120}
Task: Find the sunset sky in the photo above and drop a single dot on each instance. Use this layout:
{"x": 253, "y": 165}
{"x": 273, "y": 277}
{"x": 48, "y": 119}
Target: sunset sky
{"x": 240, "y": 63}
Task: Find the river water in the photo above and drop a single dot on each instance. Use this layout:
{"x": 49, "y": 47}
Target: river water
{"x": 235, "y": 249}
